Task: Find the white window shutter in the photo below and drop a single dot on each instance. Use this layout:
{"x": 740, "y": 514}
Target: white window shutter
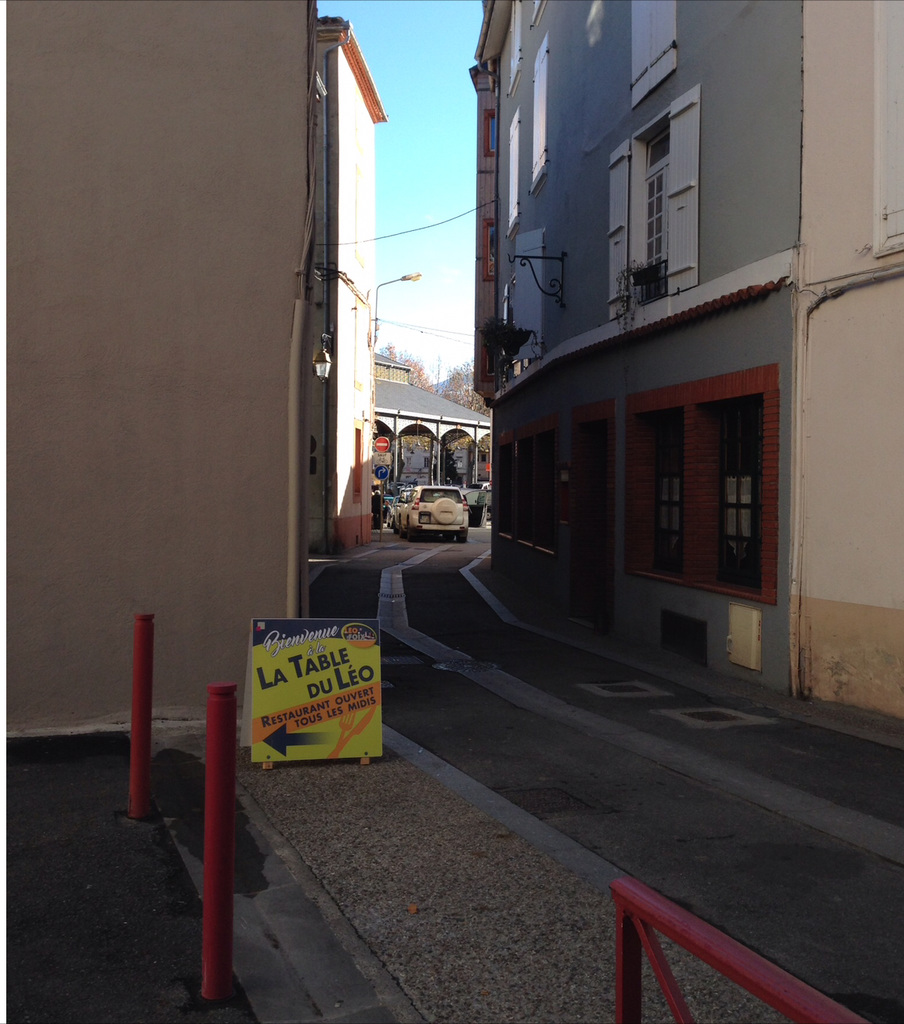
{"x": 528, "y": 299}
{"x": 890, "y": 127}
{"x": 619, "y": 165}
{"x": 684, "y": 191}
{"x": 515, "y": 55}
{"x": 653, "y": 55}
{"x": 514, "y": 145}
{"x": 641, "y": 33}
{"x": 663, "y": 29}
{"x": 540, "y": 81}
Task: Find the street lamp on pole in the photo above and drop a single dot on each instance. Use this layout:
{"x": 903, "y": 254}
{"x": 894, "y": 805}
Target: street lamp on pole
{"x": 407, "y": 277}
{"x": 416, "y": 276}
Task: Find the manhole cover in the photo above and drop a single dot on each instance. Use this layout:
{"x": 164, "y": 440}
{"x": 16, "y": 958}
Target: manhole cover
{"x": 711, "y": 718}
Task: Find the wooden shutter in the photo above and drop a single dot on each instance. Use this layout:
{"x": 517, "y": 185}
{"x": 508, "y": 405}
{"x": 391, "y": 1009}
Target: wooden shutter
{"x": 527, "y": 300}
{"x": 890, "y": 127}
{"x": 653, "y": 54}
{"x": 619, "y": 165}
{"x": 683, "y": 190}
{"x": 540, "y": 80}
{"x": 514, "y": 146}
{"x": 515, "y": 55}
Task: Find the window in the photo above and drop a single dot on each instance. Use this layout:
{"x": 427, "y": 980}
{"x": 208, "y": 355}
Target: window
{"x": 514, "y": 147}
{"x": 489, "y": 132}
{"x": 358, "y": 475}
{"x": 669, "y": 490}
{"x": 489, "y": 250}
{"x": 740, "y": 487}
{"x": 654, "y": 205}
{"x": 540, "y": 84}
{"x": 657, "y": 176}
{"x": 654, "y": 53}
{"x": 503, "y": 487}
{"x": 702, "y": 483}
{"x": 534, "y": 481}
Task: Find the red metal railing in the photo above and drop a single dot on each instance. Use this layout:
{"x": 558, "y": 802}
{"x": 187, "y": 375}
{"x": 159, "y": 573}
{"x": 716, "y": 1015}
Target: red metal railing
{"x": 641, "y": 912}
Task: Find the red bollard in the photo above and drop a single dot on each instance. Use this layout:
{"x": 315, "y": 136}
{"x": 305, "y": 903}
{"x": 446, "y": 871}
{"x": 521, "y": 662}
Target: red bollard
{"x": 142, "y": 707}
{"x": 219, "y": 842}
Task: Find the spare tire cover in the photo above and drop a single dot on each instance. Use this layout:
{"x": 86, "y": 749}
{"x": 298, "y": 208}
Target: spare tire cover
{"x": 444, "y": 511}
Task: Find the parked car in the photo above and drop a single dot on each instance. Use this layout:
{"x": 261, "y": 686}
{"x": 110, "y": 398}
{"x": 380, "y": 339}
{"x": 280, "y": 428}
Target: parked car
{"x": 399, "y": 506}
{"x": 433, "y": 509}
{"x": 478, "y": 501}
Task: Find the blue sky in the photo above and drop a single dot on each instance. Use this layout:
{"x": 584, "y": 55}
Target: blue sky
{"x": 419, "y": 53}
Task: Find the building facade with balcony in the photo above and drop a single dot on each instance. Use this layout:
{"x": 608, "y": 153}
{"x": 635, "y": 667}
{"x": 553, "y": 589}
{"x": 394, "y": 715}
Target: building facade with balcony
{"x": 647, "y": 433}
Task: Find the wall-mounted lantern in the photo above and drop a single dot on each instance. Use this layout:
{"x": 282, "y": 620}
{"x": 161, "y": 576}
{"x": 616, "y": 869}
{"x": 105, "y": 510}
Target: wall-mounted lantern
{"x": 322, "y": 361}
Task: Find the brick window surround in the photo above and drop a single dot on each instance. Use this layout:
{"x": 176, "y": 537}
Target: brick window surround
{"x": 699, "y": 401}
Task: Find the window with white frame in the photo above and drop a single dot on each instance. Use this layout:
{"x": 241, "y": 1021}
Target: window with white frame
{"x": 540, "y": 152}
{"x": 889, "y": 201}
{"x": 655, "y": 186}
{"x": 514, "y": 148}
{"x": 654, "y": 52}
{"x": 654, "y": 205}
{"x": 515, "y": 47}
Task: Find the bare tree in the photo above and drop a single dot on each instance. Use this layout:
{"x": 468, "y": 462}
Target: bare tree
{"x": 458, "y": 387}
{"x": 419, "y": 376}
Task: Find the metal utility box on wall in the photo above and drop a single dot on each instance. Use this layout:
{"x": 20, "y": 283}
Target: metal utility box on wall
{"x": 745, "y": 636}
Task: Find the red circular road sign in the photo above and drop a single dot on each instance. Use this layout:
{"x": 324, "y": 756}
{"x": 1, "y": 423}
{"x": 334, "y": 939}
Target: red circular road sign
{"x": 381, "y": 444}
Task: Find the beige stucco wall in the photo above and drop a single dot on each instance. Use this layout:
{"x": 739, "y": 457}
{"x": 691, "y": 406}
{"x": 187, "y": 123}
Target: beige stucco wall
{"x": 850, "y": 362}
{"x": 352, "y": 198}
{"x": 156, "y": 176}
{"x": 355, "y": 221}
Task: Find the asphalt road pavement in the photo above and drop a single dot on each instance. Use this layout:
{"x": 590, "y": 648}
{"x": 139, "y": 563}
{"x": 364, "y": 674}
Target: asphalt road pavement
{"x": 767, "y": 818}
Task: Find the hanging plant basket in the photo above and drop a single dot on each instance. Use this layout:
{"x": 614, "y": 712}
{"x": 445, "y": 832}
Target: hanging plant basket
{"x": 500, "y": 336}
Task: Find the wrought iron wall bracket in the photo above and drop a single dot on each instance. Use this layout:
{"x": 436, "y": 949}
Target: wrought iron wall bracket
{"x": 556, "y": 288}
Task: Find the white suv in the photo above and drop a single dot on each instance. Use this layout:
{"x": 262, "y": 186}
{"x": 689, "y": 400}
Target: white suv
{"x": 435, "y": 510}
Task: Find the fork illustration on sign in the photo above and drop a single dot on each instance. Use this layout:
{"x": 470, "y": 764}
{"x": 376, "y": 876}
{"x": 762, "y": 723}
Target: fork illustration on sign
{"x": 348, "y": 728}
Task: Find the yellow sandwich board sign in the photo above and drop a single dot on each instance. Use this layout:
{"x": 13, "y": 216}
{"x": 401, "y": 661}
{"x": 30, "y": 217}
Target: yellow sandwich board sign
{"x": 316, "y": 691}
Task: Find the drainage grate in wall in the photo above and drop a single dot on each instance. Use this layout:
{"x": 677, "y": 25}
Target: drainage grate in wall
{"x": 712, "y": 718}
{"x": 625, "y": 688}
{"x": 683, "y": 635}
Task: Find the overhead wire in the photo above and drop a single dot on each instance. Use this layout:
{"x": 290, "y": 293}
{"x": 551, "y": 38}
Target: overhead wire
{"x": 462, "y": 339}
{"x": 411, "y": 231}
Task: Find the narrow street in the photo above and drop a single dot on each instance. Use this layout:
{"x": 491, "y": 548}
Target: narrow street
{"x": 778, "y": 824}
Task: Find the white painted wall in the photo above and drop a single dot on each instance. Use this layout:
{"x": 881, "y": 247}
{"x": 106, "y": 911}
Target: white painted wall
{"x": 849, "y": 555}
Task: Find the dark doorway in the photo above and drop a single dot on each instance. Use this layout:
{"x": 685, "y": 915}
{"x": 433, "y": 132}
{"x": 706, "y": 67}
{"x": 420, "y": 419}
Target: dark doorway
{"x": 592, "y": 542}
